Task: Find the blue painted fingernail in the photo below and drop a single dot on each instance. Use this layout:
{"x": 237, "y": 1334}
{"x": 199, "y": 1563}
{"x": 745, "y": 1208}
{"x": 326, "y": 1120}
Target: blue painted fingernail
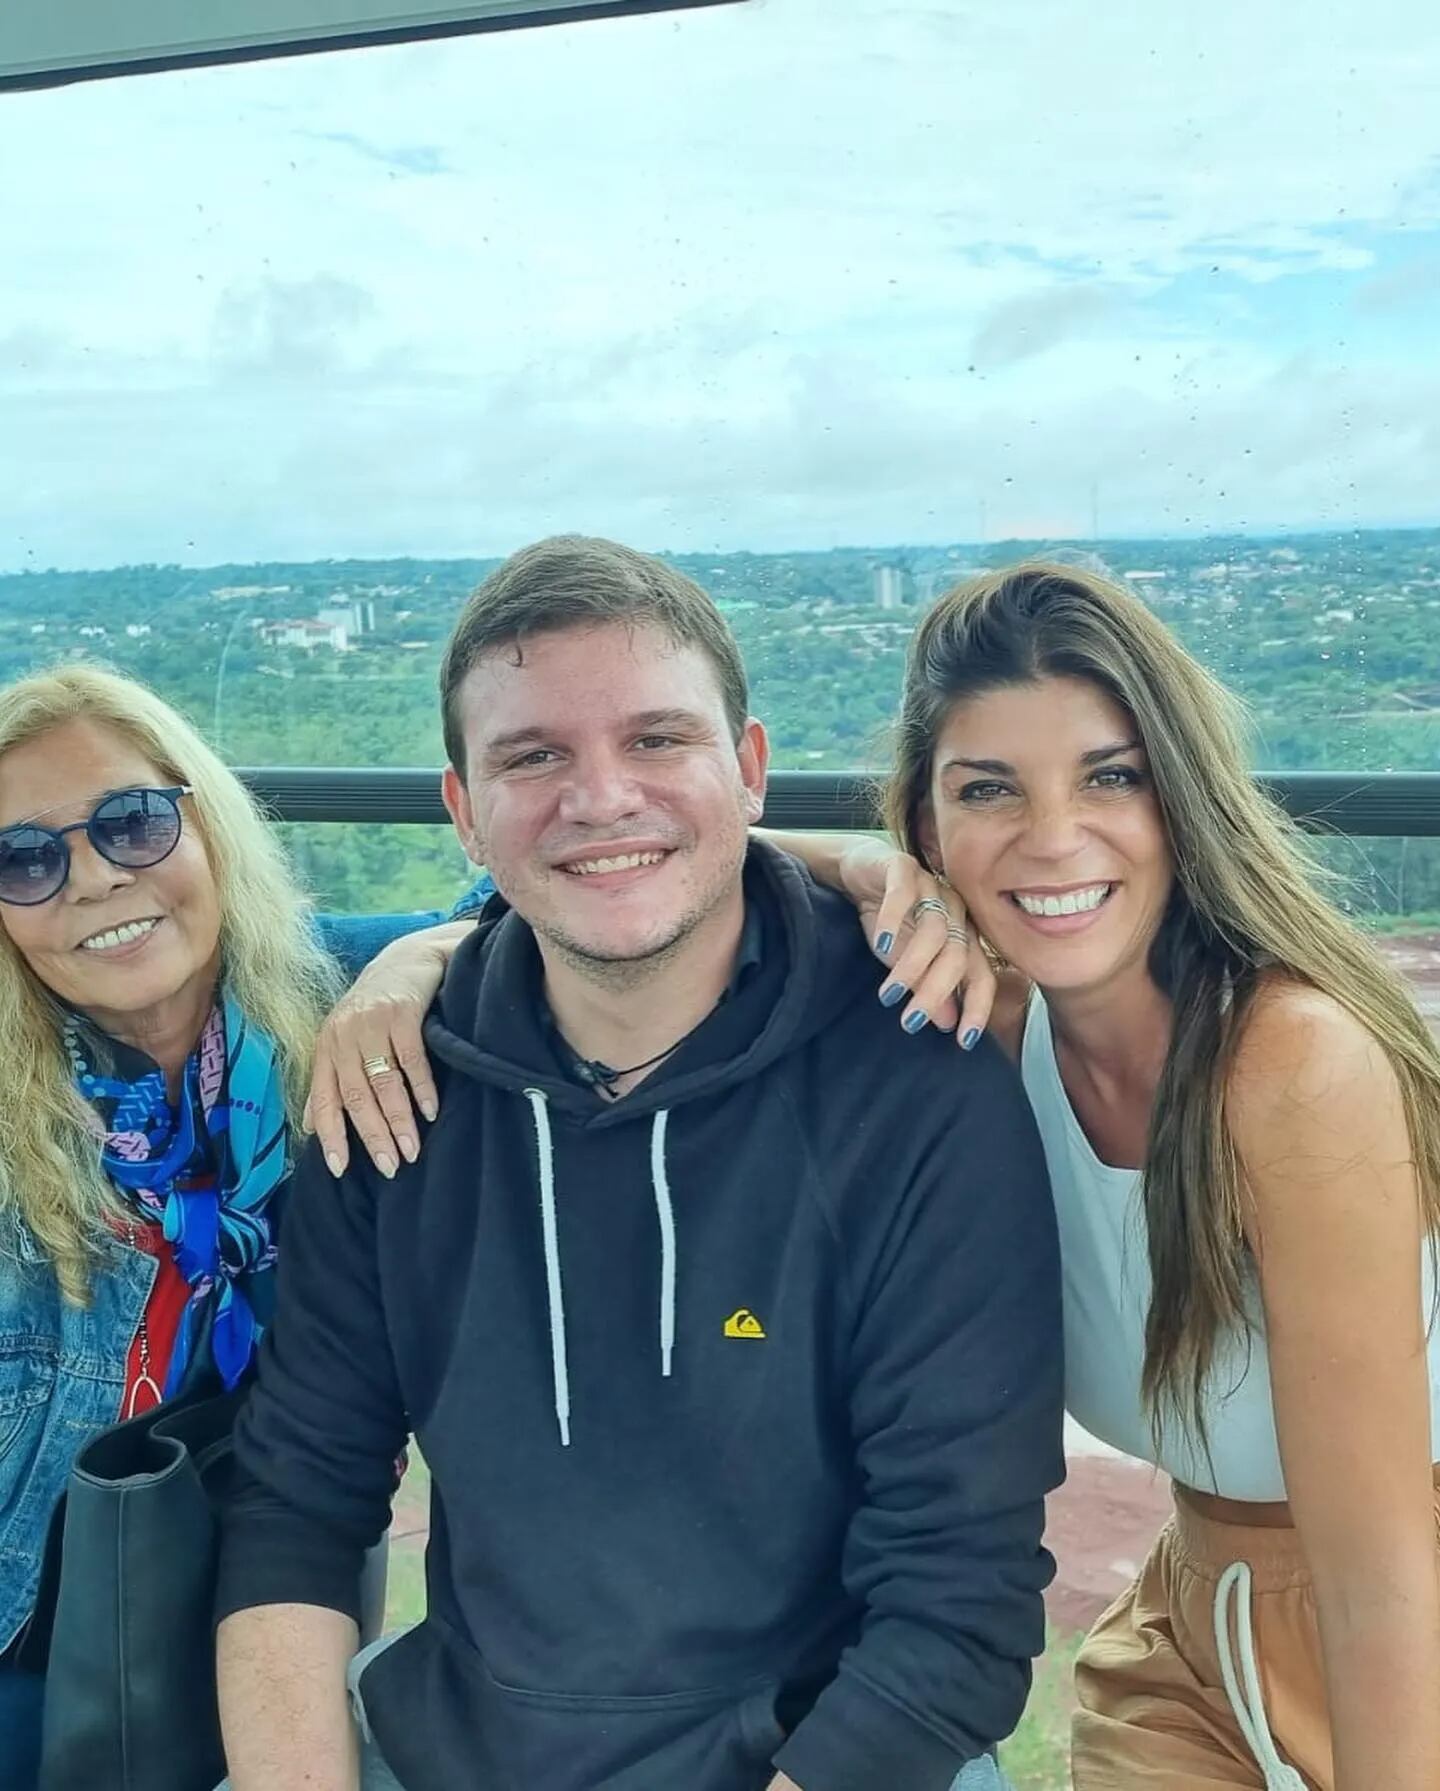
{"x": 892, "y": 994}
{"x": 885, "y": 944}
{"x": 971, "y": 1039}
{"x": 914, "y": 1022}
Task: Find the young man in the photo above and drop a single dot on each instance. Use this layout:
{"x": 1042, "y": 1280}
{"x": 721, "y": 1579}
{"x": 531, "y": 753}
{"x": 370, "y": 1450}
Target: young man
{"x": 732, "y": 1342}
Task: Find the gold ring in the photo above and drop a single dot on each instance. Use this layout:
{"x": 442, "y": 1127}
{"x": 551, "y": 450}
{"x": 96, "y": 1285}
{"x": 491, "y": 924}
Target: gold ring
{"x": 377, "y": 1066}
{"x": 930, "y": 905}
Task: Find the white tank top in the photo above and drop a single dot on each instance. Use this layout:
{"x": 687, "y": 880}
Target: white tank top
{"x": 1107, "y": 1293}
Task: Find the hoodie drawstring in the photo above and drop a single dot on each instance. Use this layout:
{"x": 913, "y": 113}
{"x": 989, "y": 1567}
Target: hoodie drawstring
{"x": 559, "y": 1366}
{"x": 1248, "y": 1703}
{"x": 666, "y": 1214}
{"x": 554, "y": 1286}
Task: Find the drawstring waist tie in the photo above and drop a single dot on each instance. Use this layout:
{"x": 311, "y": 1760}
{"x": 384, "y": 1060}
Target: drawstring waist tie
{"x": 1242, "y": 1560}
{"x": 550, "y": 1234}
{"x": 1243, "y": 1689}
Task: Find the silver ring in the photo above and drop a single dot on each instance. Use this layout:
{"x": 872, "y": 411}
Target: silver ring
{"x": 957, "y": 934}
{"x": 377, "y": 1066}
{"x": 930, "y": 905}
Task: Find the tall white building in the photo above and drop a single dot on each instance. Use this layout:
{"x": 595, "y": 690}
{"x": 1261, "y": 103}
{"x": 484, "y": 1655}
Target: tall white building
{"x": 354, "y": 614}
{"x": 889, "y": 583}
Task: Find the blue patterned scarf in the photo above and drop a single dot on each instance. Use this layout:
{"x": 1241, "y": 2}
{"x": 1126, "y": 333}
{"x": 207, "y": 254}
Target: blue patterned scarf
{"x": 204, "y": 1169}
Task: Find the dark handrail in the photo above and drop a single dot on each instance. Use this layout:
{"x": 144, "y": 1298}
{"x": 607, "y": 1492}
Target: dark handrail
{"x": 1399, "y": 804}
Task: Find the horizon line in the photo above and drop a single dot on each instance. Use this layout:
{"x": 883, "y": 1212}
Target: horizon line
{"x": 1068, "y": 543}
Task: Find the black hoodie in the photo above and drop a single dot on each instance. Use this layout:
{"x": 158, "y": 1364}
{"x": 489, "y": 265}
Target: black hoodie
{"x": 741, "y": 1395}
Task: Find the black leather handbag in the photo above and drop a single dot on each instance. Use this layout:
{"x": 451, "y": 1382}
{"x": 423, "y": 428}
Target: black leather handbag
{"x": 123, "y": 1626}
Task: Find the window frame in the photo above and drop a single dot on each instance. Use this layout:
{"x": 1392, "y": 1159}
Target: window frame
{"x": 79, "y": 42}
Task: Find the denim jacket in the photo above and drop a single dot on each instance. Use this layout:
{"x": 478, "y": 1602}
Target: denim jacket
{"x": 62, "y": 1368}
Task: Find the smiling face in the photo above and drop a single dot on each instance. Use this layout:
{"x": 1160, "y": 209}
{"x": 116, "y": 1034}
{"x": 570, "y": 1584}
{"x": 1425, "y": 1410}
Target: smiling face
{"x": 604, "y": 791}
{"x": 1043, "y": 813}
{"x": 122, "y": 945}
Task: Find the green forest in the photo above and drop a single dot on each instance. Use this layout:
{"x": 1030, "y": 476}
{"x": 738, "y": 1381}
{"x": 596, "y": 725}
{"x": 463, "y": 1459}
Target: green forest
{"x": 1333, "y": 642}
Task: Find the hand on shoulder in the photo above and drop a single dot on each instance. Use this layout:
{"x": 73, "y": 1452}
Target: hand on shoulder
{"x": 917, "y": 925}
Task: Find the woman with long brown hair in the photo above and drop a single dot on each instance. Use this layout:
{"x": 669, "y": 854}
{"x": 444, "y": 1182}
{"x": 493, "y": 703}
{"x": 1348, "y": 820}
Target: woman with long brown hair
{"x": 1241, "y": 1113}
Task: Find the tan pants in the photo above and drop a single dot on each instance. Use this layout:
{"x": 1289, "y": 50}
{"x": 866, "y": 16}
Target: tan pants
{"x": 1153, "y": 1708}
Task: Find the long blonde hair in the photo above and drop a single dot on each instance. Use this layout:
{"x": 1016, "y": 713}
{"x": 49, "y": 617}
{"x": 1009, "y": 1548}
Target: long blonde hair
{"x": 51, "y": 1180}
{"x": 1248, "y": 900}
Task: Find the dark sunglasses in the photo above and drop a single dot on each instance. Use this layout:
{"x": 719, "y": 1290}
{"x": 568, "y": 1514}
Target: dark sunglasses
{"x": 131, "y": 828}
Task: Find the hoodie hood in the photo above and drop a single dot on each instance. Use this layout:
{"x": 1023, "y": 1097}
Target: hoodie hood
{"x": 490, "y": 1021}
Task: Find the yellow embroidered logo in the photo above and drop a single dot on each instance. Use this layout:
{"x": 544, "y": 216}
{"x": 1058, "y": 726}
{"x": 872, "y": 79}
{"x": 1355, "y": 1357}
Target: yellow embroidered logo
{"x": 743, "y": 1324}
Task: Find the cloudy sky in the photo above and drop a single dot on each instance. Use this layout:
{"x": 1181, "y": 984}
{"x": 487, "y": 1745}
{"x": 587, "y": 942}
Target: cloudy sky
{"x": 788, "y": 273}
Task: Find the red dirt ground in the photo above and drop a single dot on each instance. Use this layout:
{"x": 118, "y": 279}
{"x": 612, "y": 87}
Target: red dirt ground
{"x": 1101, "y": 1525}
{"x": 1417, "y": 958}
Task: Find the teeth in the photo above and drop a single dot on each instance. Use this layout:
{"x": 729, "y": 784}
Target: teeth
{"x": 134, "y": 929}
{"x": 1074, "y": 901}
{"x": 595, "y": 867}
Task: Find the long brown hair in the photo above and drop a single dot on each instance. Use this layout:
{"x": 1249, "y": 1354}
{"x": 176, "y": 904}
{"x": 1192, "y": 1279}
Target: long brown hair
{"x": 1247, "y": 900}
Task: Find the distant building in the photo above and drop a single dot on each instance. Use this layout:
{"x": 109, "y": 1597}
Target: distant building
{"x": 355, "y": 614}
{"x": 308, "y": 632}
{"x": 889, "y": 586}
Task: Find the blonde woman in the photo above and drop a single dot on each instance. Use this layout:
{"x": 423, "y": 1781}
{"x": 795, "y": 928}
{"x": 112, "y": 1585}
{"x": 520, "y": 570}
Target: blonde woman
{"x": 161, "y": 986}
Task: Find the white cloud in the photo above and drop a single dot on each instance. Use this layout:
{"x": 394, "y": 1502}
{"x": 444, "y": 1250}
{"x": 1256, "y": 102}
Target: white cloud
{"x": 783, "y": 271}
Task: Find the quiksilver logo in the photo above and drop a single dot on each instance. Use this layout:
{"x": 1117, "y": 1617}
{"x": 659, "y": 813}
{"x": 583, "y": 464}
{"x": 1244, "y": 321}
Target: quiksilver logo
{"x": 744, "y": 1324}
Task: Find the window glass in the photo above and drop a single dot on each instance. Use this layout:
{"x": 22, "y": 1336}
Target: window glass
{"x": 354, "y": 869}
{"x": 833, "y": 303}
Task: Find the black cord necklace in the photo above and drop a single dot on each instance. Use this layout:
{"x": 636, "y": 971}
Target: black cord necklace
{"x": 602, "y": 1076}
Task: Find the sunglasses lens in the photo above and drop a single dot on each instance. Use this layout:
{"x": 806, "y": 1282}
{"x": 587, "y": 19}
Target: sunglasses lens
{"x": 136, "y": 827}
{"x": 32, "y": 865}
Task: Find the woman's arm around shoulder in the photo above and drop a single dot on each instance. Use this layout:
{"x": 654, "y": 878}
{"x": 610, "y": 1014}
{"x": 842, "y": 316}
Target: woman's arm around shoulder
{"x": 1334, "y": 1217}
{"x": 915, "y": 923}
{"x": 398, "y": 963}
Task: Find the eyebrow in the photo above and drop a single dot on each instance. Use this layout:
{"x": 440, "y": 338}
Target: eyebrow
{"x": 91, "y": 803}
{"x": 1000, "y": 768}
{"x": 646, "y": 720}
